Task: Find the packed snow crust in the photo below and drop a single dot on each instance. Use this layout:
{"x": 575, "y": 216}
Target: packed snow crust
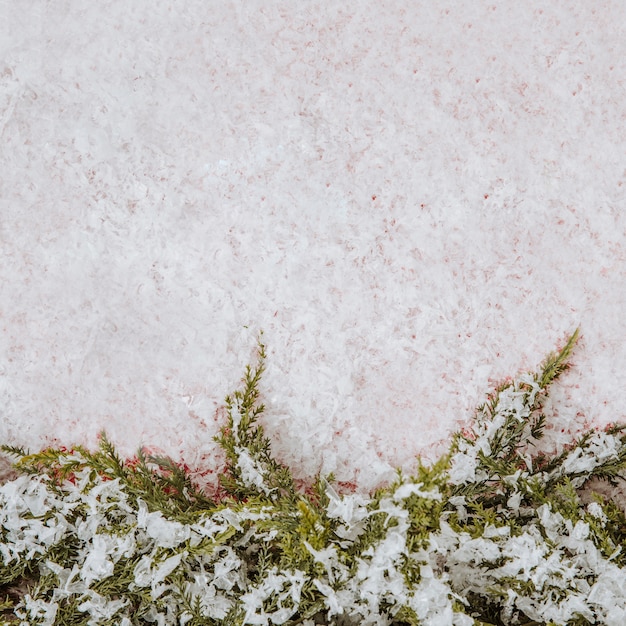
{"x": 411, "y": 199}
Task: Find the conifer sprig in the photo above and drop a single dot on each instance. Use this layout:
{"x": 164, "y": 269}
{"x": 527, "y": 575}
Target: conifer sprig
{"x": 251, "y": 470}
{"x": 492, "y": 534}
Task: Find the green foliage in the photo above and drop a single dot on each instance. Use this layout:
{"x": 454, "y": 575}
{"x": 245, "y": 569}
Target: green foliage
{"x": 493, "y": 533}
{"x": 251, "y": 469}
{"x": 158, "y": 481}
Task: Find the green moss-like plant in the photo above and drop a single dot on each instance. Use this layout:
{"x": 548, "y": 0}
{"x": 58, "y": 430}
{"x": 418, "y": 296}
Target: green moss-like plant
{"x": 492, "y": 534}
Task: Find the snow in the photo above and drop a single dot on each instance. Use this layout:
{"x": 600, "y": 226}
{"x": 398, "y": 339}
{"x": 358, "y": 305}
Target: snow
{"x": 412, "y": 200}
{"x": 251, "y": 473}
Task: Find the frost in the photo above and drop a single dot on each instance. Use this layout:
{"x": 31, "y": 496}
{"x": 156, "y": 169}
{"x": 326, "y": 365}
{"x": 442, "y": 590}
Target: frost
{"x": 431, "y": 600}
{"x": 165, "y": 568}
{"x": 227, "y": 571}
{"x": 97, "y": 564}
{"x": 463, "y": 467}
{"x": 409, "y": 489}
{"x": 38, "y": 610}
{"x": 282, "y": 588}
{"x": 514, "y": 501}
{"x": 331, "y": 599}
{"x": 251, "y": 474}
{"x": 475, "y": 551}
{"x": 599, "y": 449}
{"x": 595, "y": 510}
{"x": 213, "y": 603}
{"x": 329, "y": 558}
{"x": 350, "y": 509}
{"x": 100, "y": 608}
{"x": 166, "y": 533}
{"x": 148, "y": 573}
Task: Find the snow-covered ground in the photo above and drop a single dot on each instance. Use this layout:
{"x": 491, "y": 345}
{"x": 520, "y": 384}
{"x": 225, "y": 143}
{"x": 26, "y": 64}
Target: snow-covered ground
{"x": 412, "y": 199}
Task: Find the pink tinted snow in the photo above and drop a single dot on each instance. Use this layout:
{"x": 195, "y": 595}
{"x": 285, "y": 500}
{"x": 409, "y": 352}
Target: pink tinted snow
{"x": 412, "y": 201}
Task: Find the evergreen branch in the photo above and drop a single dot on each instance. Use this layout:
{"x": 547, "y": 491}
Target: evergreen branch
{"x": 491, "y": 534}
{"x": 251, "y": 470}
{"x": 556, "y": 363}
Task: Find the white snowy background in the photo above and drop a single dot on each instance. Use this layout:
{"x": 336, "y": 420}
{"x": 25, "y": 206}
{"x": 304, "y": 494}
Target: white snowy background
{"x": 412, "y": 199}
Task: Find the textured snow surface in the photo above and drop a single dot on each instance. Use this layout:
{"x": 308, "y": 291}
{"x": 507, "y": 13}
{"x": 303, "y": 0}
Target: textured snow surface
{"x": 412, "y": 199}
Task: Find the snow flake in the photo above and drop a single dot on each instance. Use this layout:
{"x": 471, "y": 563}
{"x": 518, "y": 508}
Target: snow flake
{"x": 101, "y": 608}
{"x": 409, "y": 489}
{"x": 97, "y": 564}
{"x": 166, "y": 533}
{"x": 38, "y": 610}
{"x": 350, "y": 509}
{"x": 595, "y": 510}
{"x": 147, "y": 573}
{"x": 463, "y": 467}
{"x": 251, "y": 473}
